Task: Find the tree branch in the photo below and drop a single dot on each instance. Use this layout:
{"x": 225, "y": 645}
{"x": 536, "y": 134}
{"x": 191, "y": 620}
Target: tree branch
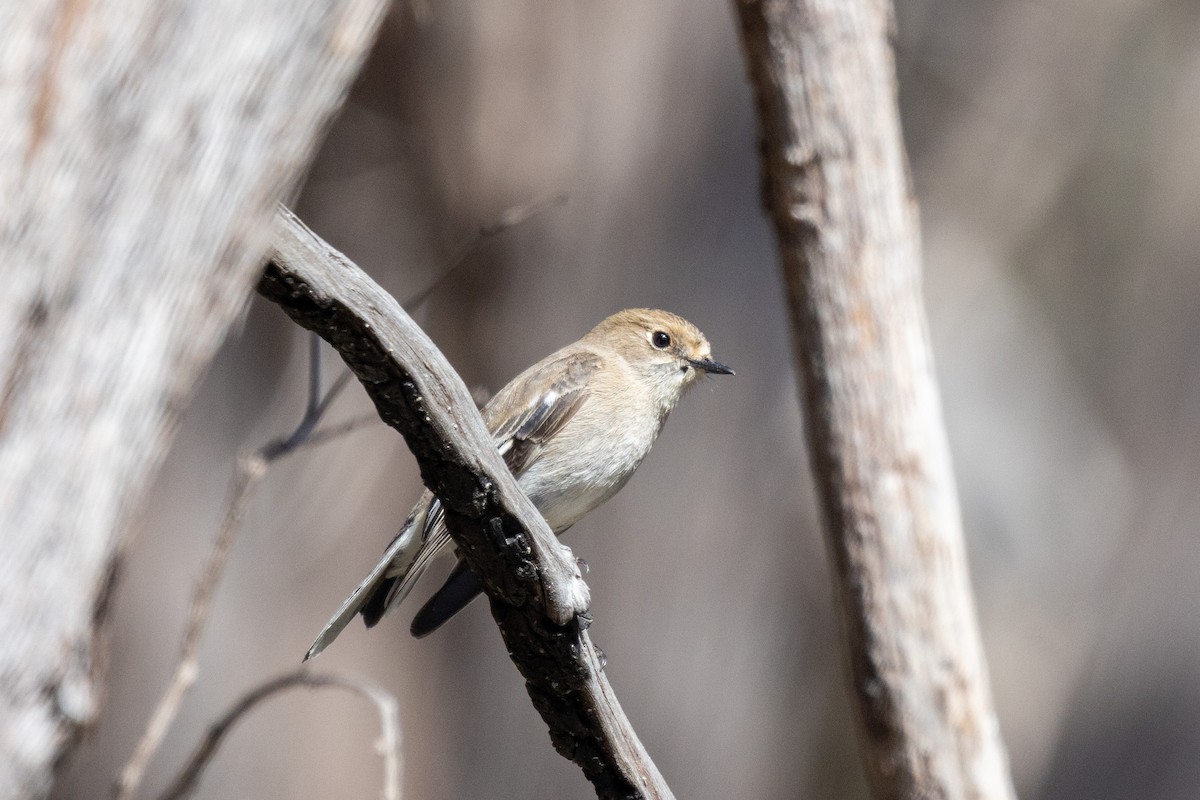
{"x": 389, "y": 721}
{"x": 835, "y": 182}
{"x": 250, "y": 470}
{"x": 537, "y": 595}
{"x": 247, "y": 474}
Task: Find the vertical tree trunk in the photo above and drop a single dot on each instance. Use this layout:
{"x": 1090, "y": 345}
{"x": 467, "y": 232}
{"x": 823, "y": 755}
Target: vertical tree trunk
{"x": 836, "y": 185}
{"x": 143, "y": 146}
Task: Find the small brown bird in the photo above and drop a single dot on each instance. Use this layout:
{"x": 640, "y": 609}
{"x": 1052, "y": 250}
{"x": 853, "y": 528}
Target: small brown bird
{"x": 572, "y": 429}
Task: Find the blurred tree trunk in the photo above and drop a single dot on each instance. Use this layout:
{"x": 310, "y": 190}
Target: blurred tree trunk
{"x": 143, "y": 148}
{"x": 836, "y": 185}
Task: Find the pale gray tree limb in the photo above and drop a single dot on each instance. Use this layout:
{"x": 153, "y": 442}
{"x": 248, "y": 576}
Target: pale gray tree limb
{"x": 836, "y": 185}
{"x": 143, "y": 146}
{"x": 537, "y": 595}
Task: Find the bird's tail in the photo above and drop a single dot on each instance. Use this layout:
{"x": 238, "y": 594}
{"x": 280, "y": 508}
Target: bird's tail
{"x": 388, "y": 583}
{"x": 460, "y": 588}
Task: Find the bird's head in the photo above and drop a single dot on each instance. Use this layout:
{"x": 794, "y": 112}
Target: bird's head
{"x": 668, "y": 350}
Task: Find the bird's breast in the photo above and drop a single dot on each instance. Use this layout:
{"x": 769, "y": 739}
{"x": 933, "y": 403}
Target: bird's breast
{"x": 586, "y": 464}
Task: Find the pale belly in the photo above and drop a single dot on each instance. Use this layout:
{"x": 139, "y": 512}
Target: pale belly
{"x": 566, "y": 486}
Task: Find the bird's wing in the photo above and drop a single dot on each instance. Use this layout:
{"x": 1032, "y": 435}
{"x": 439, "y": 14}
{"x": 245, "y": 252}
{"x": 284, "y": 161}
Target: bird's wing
{"x": 403, "y": 547}
{"x": 519, "y": 429}
{"x": 406, "y": 568}
{"x": 522, "y": 416}
{"x": 537, "y": 404}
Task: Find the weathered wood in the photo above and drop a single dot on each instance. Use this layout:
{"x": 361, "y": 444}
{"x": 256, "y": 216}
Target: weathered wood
{"x": 143, "y": 146}
{"x": 836, "y": 186}
{"x": 532, "y": 581}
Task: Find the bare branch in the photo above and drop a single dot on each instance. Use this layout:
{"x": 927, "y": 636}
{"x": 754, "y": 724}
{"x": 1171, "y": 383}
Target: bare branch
{"x": 389, "y": 720}
{"x": 340, "y": 429}
{"x": 835, "y": 183}
{"x": 537, "y": 596}
{"x": 511, "y": 218}
{"x": 250, "y": 470}
{"x": 248, "y": 473}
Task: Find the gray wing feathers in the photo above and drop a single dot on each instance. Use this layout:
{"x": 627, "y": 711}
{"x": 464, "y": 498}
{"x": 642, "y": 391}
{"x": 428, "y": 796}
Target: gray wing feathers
{"x": 354, "y": 602}
{"x": 551, "y": 403}
{"x": 437, "y": 544}
{"x": 522, "y": 417}
{"x": 403, "y": 550}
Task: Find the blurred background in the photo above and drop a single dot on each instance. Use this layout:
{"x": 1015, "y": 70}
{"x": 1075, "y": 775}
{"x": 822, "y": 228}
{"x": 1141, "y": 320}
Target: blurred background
{"x": 1055, "y": 149}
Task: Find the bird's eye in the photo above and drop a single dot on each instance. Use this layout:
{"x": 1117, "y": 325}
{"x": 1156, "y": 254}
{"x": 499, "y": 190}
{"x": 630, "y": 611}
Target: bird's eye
{"x": 660, "y": 339}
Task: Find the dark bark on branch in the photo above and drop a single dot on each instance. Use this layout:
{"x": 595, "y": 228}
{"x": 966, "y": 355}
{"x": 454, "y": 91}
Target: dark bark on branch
{"x": 143, "y": 146}
{"x": 836, "y": 185}
{"x": 537, "y": 596}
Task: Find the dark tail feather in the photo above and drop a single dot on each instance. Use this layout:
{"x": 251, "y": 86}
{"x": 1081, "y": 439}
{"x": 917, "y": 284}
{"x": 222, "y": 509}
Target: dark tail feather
{"x": 460, "y": 588}
{"x": 373, "y": 610}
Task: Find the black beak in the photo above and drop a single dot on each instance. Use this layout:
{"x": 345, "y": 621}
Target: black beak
{"x": 710, "y": 366}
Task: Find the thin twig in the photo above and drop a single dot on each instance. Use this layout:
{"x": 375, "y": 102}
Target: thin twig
{"x": 314, "y": 376}
{"x": 511, "y": 218}
{"x": 389, "y": 720}
{"x": 250, "y": 470}
{"x": 315, "y": 409}
{"x": 333, "y": 431}
{"x": 247, "y": 474}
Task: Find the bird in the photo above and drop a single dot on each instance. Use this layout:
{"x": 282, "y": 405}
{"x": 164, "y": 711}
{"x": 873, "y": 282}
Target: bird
{"x": 572, "y": 429}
